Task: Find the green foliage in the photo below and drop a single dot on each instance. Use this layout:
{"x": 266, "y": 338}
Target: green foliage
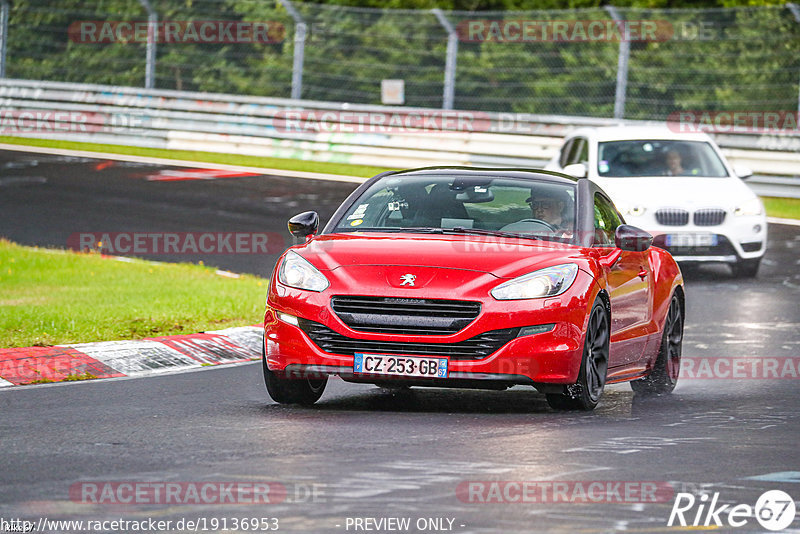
{"x": 52, "y": 296}
{"x": 742, "y": 58}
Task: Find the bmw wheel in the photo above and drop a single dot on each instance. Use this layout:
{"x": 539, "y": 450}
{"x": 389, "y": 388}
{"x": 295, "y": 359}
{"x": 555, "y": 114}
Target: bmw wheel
{"x": 586, "y": 393}
{"x": 305, "y": 391}
{"x": 664, "y": 376}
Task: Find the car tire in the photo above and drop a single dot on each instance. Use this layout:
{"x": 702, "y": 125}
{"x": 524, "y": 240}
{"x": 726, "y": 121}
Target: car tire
{"x": 746, "y": 268}
{"x": 663, "y": 377}
{"x": 304, "y": 391}
{"x": 585, "y": 394}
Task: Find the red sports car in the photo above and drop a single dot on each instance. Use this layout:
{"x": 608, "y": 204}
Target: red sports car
{"x": 474, "y": 278}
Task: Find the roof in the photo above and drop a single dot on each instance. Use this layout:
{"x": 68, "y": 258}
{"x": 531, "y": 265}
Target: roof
{"x": 525, "y": 174}
{"x": 633, "y": 133}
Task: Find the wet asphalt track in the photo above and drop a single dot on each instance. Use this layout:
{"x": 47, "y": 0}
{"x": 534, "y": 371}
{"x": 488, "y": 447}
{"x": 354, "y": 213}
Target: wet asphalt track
{"x": 375, "y": 453}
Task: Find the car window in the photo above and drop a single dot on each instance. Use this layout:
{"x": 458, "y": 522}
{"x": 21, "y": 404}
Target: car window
{"x": 606, "y": 221}
{"x": 394, "y": 203}
{"x": 579, "y": 153}
{"x": 565, "y": 150}
{"x": 659, "y": 158}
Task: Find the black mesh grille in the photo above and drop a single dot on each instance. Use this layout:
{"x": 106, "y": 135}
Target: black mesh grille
{"x": 474, "y": 348}
{"x": 388, "y": 315}
{"x": 709, "y": 217}
{"x": 672, "y": 217}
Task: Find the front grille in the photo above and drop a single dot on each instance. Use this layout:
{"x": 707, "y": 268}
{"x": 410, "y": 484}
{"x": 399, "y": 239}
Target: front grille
{"x": 388, "y": 315}
{"x": 672, "y": 217}
{"x": 709, "y": 217}
{"x": 474, "y": 348}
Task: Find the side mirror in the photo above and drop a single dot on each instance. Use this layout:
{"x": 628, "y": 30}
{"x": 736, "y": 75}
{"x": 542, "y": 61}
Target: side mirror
{"x": 304, "y": 224}
{"x": 577, "y": 170}
{"x": 632, "y": 239}
{"x": 742, "y": 171}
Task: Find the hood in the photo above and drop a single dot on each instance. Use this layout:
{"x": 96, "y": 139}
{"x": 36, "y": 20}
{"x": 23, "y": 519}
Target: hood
{"x": 676, "y": 191}
{"x": 500, "y": 257}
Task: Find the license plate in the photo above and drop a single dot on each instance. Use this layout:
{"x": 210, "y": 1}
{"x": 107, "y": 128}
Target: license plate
{"x": 691, "y": 240}
{"x": 396, "y": 365}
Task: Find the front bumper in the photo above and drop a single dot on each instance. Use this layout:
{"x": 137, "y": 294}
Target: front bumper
{"x": 552, "y": 357}
{"x": 738, "y": 238}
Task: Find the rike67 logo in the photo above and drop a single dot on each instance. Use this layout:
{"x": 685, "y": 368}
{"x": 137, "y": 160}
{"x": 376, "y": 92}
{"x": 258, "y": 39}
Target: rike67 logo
{"x": 774, "y": 510}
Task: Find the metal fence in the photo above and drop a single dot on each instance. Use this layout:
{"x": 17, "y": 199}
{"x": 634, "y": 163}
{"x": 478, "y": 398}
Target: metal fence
{"x": 330, "y": 132}
{"x": 609, "y": 62}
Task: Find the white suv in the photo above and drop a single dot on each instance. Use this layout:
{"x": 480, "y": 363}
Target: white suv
{"x": 678, "y": 187}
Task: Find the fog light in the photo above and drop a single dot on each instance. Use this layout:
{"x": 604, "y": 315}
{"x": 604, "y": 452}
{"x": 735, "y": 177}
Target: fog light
{"x": 757, "y": 228}
{"x": 290, "y": 319}
{"x": 538, "y": 329}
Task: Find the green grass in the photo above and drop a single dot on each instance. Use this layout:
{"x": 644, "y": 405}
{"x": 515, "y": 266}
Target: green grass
{"x": 53, "y": 297}
{"x": 786, "y": 208}
{"x": 362, "y": 171}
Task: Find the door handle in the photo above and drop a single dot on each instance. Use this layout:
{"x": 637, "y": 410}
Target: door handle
{"x": 642, "y": 273}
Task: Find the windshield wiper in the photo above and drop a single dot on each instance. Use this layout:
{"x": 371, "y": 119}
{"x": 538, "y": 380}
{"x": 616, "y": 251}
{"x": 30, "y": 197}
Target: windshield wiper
{"x": 479, "y": 231}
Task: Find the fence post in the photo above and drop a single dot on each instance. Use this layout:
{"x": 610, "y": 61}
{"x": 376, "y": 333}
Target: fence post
{"x": 796, "y": 12}
{"x": 299, "y": 49}
{"x": 152, "y": 37}
{"x": 4, "y": 7}
{"x": 622, "y": 63}
{"x": 451, "y": 60}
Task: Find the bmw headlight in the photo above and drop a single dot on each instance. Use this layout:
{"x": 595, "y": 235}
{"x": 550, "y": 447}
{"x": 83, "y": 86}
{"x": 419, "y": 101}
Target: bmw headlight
{"x": 751, "y": 207}
{"x": 296, "y": 271}
{"x": 547, "y": 282}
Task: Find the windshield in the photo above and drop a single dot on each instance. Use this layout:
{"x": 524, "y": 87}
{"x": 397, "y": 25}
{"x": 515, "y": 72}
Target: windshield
{"x": 464, "y": 204}
{"x": 659, "y": 158}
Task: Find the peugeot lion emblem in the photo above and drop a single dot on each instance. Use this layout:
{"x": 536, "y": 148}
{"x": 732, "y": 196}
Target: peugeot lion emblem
{"x": 408, "y": 279}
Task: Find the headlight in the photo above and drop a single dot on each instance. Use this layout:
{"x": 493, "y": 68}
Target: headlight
{"x": 297, "y": 272}
{"x": 547, "y": 282}
{"x": 751, "y": 207}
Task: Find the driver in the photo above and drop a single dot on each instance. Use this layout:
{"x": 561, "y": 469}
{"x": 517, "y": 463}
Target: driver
{"x": 674, "y": 164}
{"x": 549, "y": 206}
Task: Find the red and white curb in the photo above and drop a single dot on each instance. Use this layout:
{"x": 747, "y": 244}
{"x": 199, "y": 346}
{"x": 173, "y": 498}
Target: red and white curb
{"x": 111, "y": 359}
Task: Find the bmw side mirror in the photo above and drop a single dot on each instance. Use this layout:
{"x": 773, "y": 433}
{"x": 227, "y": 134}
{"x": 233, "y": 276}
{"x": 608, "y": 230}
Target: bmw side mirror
{"x": 742, "y": 171}
{"x": 576, "y": 170}
{"x": 632, "y": 239}
{"x": 304, "y": 224}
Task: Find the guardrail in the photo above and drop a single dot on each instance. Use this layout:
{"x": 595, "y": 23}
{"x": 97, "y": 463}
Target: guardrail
{"x": 335, "y": 132}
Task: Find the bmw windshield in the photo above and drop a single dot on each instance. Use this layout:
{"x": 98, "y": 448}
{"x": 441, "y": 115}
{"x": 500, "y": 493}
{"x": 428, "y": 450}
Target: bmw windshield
{"x": 464, "y": 204}
{"x": 659, "y": 158}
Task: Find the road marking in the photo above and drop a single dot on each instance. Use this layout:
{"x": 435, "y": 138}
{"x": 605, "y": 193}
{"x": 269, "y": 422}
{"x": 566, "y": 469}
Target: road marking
{"x": 780, "y": 476}
{"x": 113, "y": 359}
{"x": 179, "y": 175}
